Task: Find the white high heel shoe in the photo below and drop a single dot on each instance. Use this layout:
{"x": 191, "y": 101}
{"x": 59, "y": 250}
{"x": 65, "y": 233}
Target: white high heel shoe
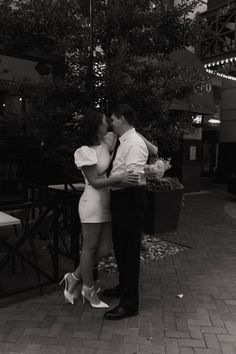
{"x": 69, "y": 297}
{"x": 76, "y": 291}
{"x": 90, "y": 294}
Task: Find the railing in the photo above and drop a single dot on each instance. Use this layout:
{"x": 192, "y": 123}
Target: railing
{"x": 50, "y": 235}
{"x": 217, "y": 33}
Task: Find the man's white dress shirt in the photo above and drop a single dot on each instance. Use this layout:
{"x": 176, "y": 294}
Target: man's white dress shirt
{"x": 132, "y": 155}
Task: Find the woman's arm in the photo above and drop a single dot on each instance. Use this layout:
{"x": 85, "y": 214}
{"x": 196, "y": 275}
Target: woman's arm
{"x": 126, "y": 178}
{"x": 110, "y": 139}
{"x": 152, "y": 149}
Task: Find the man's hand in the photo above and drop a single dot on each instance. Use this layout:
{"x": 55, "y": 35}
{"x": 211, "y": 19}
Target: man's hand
{"x": 130, "y": 178}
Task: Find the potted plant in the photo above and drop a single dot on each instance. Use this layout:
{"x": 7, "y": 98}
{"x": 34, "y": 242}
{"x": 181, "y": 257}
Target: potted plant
{"x": 164, "y": 199}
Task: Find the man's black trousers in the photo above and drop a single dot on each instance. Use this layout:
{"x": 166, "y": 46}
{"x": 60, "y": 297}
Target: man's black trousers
{"x": 128, "y": 207}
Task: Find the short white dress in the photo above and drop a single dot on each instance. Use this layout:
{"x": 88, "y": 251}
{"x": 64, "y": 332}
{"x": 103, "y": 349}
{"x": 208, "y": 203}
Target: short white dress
{"x": 94, "y": 204}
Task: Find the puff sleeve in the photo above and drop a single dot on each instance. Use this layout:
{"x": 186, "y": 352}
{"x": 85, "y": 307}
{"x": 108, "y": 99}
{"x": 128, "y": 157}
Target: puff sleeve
{"x": 85, "y": 156}
{"x": 110, "y": 139}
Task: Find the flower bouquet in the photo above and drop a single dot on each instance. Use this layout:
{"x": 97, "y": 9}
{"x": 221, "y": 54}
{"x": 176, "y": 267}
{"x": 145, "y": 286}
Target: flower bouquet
{"x": 156, "y": 181}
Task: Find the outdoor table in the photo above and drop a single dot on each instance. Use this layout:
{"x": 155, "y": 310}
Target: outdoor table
{"x": 68, "y": 187}
{"x": 15, "y": 249}
{"x": 7, "y": 220}
{"x": 46, "y": 200}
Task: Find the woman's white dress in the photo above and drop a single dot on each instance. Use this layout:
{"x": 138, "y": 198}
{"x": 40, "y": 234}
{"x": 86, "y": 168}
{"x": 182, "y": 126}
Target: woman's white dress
{"x": 94, "y": 204}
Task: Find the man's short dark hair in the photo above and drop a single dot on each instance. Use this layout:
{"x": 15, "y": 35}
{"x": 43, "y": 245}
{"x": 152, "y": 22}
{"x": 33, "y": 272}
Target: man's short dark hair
{"x": 127, "y": 111}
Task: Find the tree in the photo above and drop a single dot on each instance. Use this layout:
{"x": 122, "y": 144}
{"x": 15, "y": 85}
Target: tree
{"x": 132, "y": 43}
{"x": 136, "y": 38}
{"x": 46, "y": 30}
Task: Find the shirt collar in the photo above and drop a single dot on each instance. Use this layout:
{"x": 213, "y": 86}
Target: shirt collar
{"x": 124, "y": 136}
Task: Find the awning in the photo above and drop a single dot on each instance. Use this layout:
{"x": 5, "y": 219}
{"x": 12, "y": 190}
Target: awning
{"x": 202, "y": 102}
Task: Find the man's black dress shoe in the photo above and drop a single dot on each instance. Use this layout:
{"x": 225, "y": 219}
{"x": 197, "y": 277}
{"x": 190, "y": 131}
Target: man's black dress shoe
{"x": 113, "y": 292}
{"x": 118, "y": 313}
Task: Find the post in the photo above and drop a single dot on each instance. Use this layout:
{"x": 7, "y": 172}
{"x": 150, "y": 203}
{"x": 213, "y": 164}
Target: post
{"x": 24, "y": 117}
{"x": 91, "y": 54}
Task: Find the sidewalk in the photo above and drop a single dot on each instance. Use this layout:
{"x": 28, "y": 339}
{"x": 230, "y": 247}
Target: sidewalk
{"x": 203, "y": 321}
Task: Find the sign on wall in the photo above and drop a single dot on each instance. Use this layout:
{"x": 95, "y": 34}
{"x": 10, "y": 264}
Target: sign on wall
{"x": 193, "y": 153}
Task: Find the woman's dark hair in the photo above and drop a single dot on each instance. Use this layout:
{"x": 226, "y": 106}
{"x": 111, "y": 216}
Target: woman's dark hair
{"x": 127, "y": 111}
{"x": 89, "y": 127}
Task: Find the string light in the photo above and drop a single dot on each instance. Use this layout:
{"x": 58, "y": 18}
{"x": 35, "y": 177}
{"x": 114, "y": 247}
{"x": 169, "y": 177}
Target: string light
{"x": 223, "y": 61}
{"x": 229, "y": 77}
{"x": 214, "y": 121}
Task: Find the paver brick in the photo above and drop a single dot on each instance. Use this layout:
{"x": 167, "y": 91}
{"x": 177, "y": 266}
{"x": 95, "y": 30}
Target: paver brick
{"x": 158, "y": 349}
{"x": 228, "y": 348}
{"x": 177, "y": 334}
{"x": 145, "y": 329}
{"x": 214, "y": 330}
{"x": 171, "y": 346}
{"x": 85, "y": 335}
{"x": 144, "y": 349}
{"x": 231, "y": 327}
{"x": 175, "y": 309}
{"x": 186, "y": 351}
{"x": 195, "y": 332}
{"x": 41, "y": 332}
{"x": 95, "y": 344}
{"x": 211, "y": 341}
{"x": 230, "y": 302}
{"x": 216, "y": 320}
{"x": 12, "y": 347}
{"x": 157, "y": 337}
{"x": 67, "y": 319}
{"x": 181, "y": 324}
{"x": 39, "y": 315}
{"x": 199, "y": 322}
{"x": 7, "y": 328}
{"x": 187, "y": 315}
{"x": 203, "y": 314}
{"x": 48, "y": 321}
{"x": 106, "y": 333}
{"x": 207, "y": 351}
{"x": 193, "y": 343}
{"x": 137, "y": 340}
{"x": 32, "y": 349}
{"x": 14, "y": 335}
{"x": 126, "y": 331}
{"x": 226, "y": 338}
{"x": 55, "y": 330}
{"x": 48, "y": 349}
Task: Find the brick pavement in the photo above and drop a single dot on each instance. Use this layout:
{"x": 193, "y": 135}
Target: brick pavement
{"x": 202, "y": 322}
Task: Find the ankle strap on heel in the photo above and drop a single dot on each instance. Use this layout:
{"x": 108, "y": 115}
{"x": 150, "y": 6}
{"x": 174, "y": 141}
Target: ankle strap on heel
{"x": 73, "y": 276}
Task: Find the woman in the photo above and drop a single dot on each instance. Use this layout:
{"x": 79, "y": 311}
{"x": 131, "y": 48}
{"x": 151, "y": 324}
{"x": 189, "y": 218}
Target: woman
{"x": 93, "y": 158}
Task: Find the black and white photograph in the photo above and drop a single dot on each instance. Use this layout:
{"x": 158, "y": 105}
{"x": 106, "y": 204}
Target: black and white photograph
{"x": 117, "y": 176}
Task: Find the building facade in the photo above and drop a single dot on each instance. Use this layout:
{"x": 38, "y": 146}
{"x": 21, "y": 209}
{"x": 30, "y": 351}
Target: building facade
{"x": 217, "y": 50}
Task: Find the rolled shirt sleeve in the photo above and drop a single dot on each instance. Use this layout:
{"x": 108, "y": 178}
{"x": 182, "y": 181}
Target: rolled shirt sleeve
{"x": 136, "y": 158}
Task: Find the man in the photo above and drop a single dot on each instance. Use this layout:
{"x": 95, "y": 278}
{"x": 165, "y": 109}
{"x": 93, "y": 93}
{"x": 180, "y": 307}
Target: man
{"x": 127, "y": 206}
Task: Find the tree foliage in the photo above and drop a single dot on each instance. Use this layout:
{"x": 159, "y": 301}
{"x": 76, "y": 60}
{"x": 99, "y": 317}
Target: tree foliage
{"x": 132, "y": 43}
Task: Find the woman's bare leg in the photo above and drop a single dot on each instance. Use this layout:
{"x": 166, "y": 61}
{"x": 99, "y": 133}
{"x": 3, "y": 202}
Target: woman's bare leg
{"x": 103, "y": 245}
{"x": 105, "y": 242}
{"x": 91, "y": 240}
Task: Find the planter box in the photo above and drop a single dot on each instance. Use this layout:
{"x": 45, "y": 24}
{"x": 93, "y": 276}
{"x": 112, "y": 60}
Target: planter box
{"x": 163, "y": 209}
